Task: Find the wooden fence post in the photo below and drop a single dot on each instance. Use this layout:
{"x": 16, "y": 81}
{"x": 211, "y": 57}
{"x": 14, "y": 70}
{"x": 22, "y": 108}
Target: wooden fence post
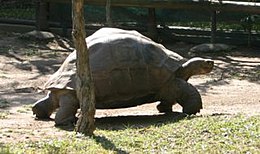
{"x": 152, "y": 26}
{"x": 213, "y": 26}
{"x": 42, "y": 15}
{"x": 108, "y": 13}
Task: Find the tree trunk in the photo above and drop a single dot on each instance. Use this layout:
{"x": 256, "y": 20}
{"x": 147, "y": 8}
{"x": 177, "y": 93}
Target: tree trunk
{"x": 85, "y": 85}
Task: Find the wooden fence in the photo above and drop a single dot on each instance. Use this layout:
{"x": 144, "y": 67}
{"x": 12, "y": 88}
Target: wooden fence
{"x": 210, "y": 5}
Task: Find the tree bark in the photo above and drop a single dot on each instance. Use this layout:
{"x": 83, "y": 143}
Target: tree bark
{"x": 85, "y": 85}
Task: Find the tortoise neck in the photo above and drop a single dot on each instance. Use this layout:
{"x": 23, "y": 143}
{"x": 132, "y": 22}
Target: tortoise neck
{"x": 185, "y": 72}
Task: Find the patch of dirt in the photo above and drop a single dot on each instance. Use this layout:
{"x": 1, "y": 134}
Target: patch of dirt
{"x": 232, "y": 88}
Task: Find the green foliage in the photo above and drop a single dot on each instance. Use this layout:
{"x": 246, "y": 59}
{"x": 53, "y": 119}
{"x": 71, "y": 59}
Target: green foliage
{"x": 18, "y": 13}
{"x": 206, "y": 134}
{"x": 14, "y": 9}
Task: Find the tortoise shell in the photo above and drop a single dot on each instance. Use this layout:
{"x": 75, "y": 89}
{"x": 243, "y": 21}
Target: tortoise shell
{"x": 125, "y": 65}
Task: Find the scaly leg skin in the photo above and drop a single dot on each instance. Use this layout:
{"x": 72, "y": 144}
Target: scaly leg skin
{"x": 65, "y": 115}
{"x": 164, "y": 107}
{"x": 189, "y": 98}
{"x": 192, "y": 108}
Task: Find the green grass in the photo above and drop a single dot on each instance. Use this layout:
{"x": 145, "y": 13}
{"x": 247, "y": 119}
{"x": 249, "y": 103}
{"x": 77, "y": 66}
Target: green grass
{"x": 25, "y": 109}
{"x": 4, "y": 114}
{"x": 209, "y": 134}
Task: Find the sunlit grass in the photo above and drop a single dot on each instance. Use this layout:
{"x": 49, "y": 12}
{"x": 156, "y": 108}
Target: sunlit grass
{"x": 209, "y": 134}
{"x": 25, "y": 109}
{"x": 4, "y": 114}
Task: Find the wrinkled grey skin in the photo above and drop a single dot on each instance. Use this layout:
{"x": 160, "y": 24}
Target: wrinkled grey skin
{"x": 128, "y": 69}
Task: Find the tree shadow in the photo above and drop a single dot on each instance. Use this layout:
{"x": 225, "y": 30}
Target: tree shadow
{"x": 115, "y": 123}
{"x": 49, "y": 58}
{"x": 204, "y": 87}
{"x": 240, "y": 69}
{"x": 239, "y": 64}
{"x": 107, "y": 144}
{"x": 24, "y": 98}
{"x": 131, "y": 121}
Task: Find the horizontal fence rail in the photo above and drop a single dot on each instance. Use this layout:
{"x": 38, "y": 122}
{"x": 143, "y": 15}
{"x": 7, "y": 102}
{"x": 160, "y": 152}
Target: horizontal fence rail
{"x": 40, "y": 13}
{"x": 252, "y": 7}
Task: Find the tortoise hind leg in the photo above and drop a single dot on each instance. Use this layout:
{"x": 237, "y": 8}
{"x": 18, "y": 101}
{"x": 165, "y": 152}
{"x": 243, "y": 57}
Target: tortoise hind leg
{"x": 65, "y": 115}
{"x": 165, "y": 107}
{"x": 44, "y": 107}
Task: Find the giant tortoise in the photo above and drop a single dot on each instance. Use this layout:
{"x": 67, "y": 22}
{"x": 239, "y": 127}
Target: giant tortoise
{"x": 128, "y": 69}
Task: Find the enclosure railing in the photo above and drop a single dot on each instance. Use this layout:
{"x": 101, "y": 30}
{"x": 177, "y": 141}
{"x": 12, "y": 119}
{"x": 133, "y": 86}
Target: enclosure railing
{"x": 248, "y": 6}
{"x": 36, "y": 12}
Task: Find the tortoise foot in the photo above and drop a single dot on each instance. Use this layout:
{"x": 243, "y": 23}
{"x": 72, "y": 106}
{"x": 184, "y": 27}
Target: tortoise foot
{"x": 162, "y": 108}
{"x": 190, "y": 111}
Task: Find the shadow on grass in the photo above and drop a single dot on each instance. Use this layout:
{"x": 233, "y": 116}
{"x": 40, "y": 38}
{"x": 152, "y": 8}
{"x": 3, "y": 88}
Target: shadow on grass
{"x": 131, "y": 121}
{"x": 108, "y": 145}
{"x": 138, "y": 121}
{"x": 125, "y": 122}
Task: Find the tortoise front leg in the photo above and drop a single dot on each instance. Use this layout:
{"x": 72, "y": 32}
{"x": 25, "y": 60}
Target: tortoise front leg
{"x": 180, "y": 91}
{"x": 189, "y": 98}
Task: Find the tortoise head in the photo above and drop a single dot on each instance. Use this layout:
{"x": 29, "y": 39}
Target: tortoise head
{"x": 195, "y": 66}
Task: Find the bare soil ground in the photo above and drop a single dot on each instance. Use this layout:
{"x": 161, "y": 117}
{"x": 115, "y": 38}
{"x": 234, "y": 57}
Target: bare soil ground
{"x": 232, "y": 88}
